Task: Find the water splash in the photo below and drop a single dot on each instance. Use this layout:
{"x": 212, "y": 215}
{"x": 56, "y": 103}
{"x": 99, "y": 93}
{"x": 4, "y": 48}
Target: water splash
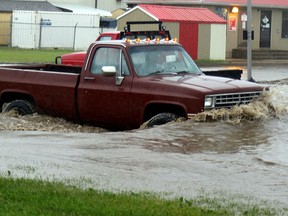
{"x": 14, "y": 122}
{"x": 272, "y": 104}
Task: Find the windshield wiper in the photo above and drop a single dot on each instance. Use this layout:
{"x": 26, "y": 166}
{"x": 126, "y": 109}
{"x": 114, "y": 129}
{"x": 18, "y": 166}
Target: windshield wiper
{"x": 186, "y": 72}
{"x": 156, "y": 72}
{"x": 163, "y": 72}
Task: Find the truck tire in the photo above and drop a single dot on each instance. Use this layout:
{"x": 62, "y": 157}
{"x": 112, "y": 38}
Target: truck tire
{"x": 21, "y": 107}
{"x": 160, "y": 119}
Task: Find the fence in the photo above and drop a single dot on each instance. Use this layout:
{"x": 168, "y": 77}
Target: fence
{"x": 36, "y": 30}
{"x": 26, "y": 35}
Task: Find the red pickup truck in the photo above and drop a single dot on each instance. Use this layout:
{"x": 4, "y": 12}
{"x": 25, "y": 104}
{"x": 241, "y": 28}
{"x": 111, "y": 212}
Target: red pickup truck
{"x": 122, "y": 85}
{"x": 77, "y": 58}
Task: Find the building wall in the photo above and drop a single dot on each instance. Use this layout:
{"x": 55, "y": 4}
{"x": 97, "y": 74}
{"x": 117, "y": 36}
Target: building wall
{"x": 189, "y": 38}
{"x": 136, "y": 15}
{"x": 110, "y": 5}
{"x": 212, "y": 41}
{"x": 278, "y": 42}
{"x": 235, "y": 36}
{"x": 218, "y": 44}
{"x": 62, "y": 30}
{"x": 117, "y": 12}
{"x": 204, "y": 42}
{"x": 173, "y": 28}
{"x": 255, "y": 27}
{"x": 89, "y": 3}
{"x": 232, "y": 35}
{"x": 5, "y": 28}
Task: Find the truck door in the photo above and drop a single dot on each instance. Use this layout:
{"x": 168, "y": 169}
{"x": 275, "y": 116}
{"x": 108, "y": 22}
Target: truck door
{"x": 100, "y": 100}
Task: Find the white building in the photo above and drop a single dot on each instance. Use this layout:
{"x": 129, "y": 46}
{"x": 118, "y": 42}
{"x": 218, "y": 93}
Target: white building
{"x": 106, "y": 5}
{"x": 81, "y": 21}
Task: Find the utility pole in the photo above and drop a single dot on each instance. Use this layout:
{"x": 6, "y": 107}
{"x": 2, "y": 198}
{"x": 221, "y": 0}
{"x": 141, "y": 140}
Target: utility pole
{"x": 249, "y": 40}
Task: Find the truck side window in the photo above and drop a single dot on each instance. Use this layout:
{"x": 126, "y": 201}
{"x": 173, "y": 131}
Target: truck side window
{"x": 99, "y": 60}
{"x": 109, "y": 57}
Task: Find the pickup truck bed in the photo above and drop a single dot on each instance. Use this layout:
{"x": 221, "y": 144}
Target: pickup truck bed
{"x": 48, "y": 67}
{"x": 46, "y": 87}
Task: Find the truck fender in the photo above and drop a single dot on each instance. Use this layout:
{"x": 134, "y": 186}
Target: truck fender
{"x": 160, "y": 119}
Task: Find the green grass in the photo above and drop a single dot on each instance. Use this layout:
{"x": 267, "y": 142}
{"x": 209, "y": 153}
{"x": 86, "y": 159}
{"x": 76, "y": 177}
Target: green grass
{"x": 207, "y": 62}
{"x": 14, "y": 55}
{"x": 31, "y": 197}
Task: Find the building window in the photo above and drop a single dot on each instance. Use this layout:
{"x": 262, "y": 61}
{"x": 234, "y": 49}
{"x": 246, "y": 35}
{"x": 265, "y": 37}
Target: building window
{"x": 285, "y": 24}
{"x": 222, "y": 12}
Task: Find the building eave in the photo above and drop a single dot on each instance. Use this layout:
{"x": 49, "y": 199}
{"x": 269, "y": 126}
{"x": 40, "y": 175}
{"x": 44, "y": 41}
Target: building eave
{"x": 138, "y": 8}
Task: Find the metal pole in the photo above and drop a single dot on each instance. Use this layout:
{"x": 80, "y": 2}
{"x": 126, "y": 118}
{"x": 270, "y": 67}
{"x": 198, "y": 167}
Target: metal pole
{"x": 249, "y": 39}
{"x": 74, "y": 39}
{"x": 40, "y": 33}
{"x": 11, "y": 31}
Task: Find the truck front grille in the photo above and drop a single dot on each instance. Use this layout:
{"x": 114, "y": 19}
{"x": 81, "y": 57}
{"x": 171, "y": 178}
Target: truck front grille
{"x": 232, "y": 99}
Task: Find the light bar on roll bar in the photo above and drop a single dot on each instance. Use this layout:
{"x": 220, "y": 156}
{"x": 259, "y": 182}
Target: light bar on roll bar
{"x": 149, "y": 41}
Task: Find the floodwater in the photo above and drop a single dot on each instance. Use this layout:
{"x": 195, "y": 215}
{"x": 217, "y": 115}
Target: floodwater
{"x": 240, "y": 152}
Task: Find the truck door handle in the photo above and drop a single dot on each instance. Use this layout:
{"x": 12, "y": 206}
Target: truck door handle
{"x": 89, "y": 78}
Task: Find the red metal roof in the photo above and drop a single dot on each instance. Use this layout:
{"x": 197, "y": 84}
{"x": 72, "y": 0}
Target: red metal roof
{"x": 255, "y": 3}
{"x": 183, "y": 14}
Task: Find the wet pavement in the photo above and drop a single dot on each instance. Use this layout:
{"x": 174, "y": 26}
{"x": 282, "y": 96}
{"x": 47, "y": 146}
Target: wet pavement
{"x": 240, "y": 153}
{"x": 263, "y": 70}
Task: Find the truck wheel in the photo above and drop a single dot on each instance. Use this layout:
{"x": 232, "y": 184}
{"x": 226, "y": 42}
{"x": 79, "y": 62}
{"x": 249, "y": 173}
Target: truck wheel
{"x": 160, "y": 119}
{"x": 21, "y": 107}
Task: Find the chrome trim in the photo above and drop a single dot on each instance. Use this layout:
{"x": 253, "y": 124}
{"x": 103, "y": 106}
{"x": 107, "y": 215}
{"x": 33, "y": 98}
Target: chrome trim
{"x": 89, "y": 78}
{"x": 232, "y": 99}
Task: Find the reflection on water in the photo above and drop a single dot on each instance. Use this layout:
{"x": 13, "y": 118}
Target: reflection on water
{"x": 220, "y": 137}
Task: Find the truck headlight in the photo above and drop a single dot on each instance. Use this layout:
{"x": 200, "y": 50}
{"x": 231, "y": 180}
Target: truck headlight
{"x": 209, "y": 102}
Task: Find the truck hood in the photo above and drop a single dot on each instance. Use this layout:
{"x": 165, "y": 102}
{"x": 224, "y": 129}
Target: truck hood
{"x": 211, "y": 83}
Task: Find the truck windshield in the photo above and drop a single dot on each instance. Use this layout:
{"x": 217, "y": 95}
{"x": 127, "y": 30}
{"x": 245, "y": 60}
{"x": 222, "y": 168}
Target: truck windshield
{"x": 162, "y": 59}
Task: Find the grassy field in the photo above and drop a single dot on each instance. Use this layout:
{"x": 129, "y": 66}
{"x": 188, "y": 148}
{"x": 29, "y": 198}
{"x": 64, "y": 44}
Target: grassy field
{"x": 14, "y": 55}
{"x": 30, "y": 197}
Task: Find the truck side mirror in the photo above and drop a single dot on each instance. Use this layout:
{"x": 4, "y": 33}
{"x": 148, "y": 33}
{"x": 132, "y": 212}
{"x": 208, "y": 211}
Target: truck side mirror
{"x": 109, "y": 70}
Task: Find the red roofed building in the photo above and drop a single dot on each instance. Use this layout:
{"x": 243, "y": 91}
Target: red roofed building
{"x": 269, "y": 23}
{"x": 201, "y": 32}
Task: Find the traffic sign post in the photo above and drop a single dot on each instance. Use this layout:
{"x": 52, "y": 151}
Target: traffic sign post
{"x": 249, "y": 40}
